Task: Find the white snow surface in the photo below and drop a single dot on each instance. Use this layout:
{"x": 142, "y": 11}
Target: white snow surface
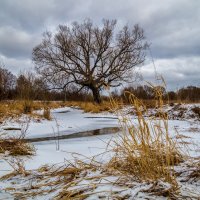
{"x": 65, "y": 120}
{"x": 71, "y": 120}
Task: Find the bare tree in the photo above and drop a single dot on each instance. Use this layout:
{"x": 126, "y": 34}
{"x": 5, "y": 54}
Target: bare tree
{"x": 7, "y": 82}
{"x": 24, "y": 86}
{"x": 88, "y": 56}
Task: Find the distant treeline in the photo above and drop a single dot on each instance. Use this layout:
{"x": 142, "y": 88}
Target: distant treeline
{"x": 30, "y": 87}
{"x": 145, "y": 92}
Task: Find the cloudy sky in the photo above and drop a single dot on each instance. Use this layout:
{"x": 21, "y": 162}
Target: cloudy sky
{"x": 171, "y": 26}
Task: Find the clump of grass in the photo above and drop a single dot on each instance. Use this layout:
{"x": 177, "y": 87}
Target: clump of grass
{"x": 146, "y": 150}
{"x": 196, "y": 110}
{"x": 47, "y": 113}
{"x": 27, "y": 107}
{"x": 14, "y": 109}
{"x": 159, "y": 188}
{"x": 192, "y": 172}
{"x": 16, "y": 147}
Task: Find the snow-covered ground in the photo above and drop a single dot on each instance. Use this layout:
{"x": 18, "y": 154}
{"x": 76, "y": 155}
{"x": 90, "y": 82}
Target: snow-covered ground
{"x": 70, "y": 120}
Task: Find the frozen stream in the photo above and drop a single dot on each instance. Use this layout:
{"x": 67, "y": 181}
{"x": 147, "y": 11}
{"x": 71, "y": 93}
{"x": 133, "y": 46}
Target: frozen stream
{"x": 65, "y": 121}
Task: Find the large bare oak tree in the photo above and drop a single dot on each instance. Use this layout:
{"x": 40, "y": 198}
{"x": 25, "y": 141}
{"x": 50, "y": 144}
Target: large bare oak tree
{"x": 90, "y": 56}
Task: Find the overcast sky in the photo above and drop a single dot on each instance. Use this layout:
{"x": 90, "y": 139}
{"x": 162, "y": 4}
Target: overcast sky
{"x": 171, "y": 26}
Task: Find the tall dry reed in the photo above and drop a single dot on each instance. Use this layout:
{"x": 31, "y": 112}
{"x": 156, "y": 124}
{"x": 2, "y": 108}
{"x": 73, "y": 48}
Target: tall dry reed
{"x": 145, "y": 149}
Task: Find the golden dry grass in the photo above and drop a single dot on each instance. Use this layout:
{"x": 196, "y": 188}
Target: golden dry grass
{"x": 16, "y": 108}
{"x": 52, "y": 178}
{"x": 146, "y": 150}
{"x": 16, "y": 147}
{"x": 90, "y": 106}
{"x": 47, "y": 113}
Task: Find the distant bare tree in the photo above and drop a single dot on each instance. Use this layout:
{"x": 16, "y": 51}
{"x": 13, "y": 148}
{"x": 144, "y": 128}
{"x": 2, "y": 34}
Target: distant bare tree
{"x": 90, "y": 57}
{"x": 7, "y": 82}
{"x": 24, "y": 86}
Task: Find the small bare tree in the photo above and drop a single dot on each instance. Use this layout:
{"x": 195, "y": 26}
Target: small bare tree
{"x": 7, "y": 82}
{"x": 90, "y": 57}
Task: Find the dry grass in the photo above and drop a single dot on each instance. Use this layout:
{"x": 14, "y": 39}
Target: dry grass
{"x": 194, "y": 176}
{"x": 47, "y": 113}
{"x": 90, "y": 106}
{"x": 49, "y": 179}
{"x": 161, "y": 189}
{"x": 81, "y": 180}
{"x": 193, "y": 172}
{"x": 146, "y": 150}
{"x": 27, "y": 107}
{"x": 15, "y": 109}
{"x": 196, "y": 110}
{"x": 16, "y": 147}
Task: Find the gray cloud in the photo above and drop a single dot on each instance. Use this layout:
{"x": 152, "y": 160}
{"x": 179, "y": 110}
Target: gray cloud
{"x": 16, "y": 42}
{"x": 172, "y": 28}
{"x": 177, "y": 72}
{"x": 17, "y": 65}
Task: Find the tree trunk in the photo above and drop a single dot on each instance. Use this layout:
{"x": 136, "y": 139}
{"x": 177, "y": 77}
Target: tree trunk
{"x": 96, "y": 95}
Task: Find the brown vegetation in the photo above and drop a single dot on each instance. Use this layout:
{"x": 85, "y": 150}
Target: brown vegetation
{"x": 15, "y": 109}
{"x": 54, "y": 178}
{"x": 16, "y": 147}
{"x": 47, "y": 113}
{"x": 90, "y": 106}
{"x": 146, "y": 150}
{"x": 196, "y": 110}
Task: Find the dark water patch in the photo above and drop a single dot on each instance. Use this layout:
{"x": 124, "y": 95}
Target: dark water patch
{"x": 12, "y": 129}
{"x": 101, "y": 117}
{"x": 64, "y": 111}
{"x": 101, "y": 131}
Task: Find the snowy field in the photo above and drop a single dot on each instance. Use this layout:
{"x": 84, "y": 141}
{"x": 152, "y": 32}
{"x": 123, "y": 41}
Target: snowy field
{"x": 69, "y": 120}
